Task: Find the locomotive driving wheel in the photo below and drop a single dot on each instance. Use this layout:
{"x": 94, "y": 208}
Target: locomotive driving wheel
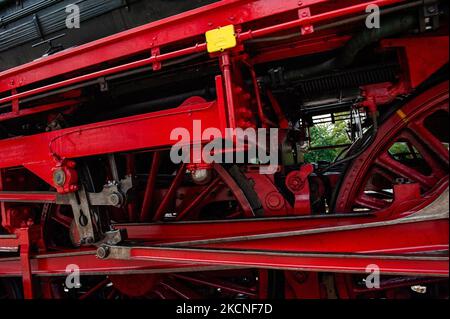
{"x": 177, "y": 198}
{"x": 411, "y": 147}
{"x": 227, "y": 198}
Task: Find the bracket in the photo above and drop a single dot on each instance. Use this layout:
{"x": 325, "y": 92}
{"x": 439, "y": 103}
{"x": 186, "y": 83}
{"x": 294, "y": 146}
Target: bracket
{"x": 88, "y": 221}
{"x": 113, "y": 194}
{"x": 303, "y": 14}
{"x": 83, "y": 216}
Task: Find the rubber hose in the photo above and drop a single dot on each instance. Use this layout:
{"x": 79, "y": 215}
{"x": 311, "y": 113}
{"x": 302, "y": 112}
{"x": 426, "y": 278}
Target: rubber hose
{"x": 390, "y": 26}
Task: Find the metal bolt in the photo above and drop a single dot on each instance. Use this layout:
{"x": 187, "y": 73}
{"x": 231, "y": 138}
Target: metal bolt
{"x": 59, "y": 177}
{"x": 274, "y": 201}
{"x": 419, "y": 289}
{"x": 115, "y": 199}
{"x": 103, "y": 252}
{"x": 201, "y": 176}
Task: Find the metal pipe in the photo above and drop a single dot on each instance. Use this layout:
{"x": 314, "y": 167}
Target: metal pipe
{"x": 314, "y": 19}
{"x": 336, "y": 24}
{"x": 117, "y": 69}
{"x": 225, "y": 63}
{"x": 392, "y": 26}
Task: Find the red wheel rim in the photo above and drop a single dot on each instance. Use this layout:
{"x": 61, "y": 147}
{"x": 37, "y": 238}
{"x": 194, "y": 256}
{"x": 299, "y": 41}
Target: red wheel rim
{"x": 411, "y": 127}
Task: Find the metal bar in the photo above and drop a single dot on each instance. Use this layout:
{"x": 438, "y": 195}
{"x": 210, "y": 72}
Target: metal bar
{"x": 117, "y": 69}
{"x": 310, "y": 20}
{"x": 168, "y": 197}
{"x": 342, "y": 241}
{"x": 56, "y": 264}
{"x": 131, "y": 171}
{"x": 37, "y": 109}
{"x": 354, "y": 238}
{"x": 94, "y": 139}
{"x": 270, "y": 229}
{"x": 225, "y": 63}
{"x": 9, "y": 243}
{"x": 94, "y": 289}
{"x": 199, "y": 198}
{"x": 148, "y": 196}
{"x": 321, "y": 262}
{"x": 30, "y": 197}
{"x": 185, "y": 231}
{"x": 25, "y": 241}
{"x": 153, "y": 130}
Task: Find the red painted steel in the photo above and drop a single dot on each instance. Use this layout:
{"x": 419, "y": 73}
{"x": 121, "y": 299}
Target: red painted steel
{"x": 56, "y": 265}
{"x": 431, "y": 236}
{"x": 305, "y": 262}
{"x": 40, "y": 153}
{"x": 37, "y": 110}
{"x": 9, "y": 243}
{"x": 322, "y": 243}
{"x": 186, "y": 51}
{"x": 28, "y": 197}
{"x": 410, "y": 118}
{"x": 181, "y": 27}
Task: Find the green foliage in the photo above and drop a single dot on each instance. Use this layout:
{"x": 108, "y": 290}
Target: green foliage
{"x": 327, "y": 135}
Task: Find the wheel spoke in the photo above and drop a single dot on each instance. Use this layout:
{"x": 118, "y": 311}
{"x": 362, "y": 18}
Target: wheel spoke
{"x": 149, "y": 190}
{"x": 435, "y": 145}
{"x": 180, "y": 290}
{"x": 170, "y": 193}
{"x": 371, "y": 202}
{"x": 131, "y": 171}
{"x": 62, "y": 219}
{"x": 95, "y": 289}
{"x": 112, "y": 294}
{"x": 200, "y": 197}
{"x": 412, "y": 149}
{"x": 430, "y": 158}
{"x": 218, "y": 284}
{"x": 158, "y": 293}
{"x": 236, "y": 190}
{"x": 392, "y": 165}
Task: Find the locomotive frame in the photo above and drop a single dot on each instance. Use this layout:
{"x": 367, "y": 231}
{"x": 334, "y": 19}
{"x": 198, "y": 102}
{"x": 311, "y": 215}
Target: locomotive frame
{"x": 411, "y": 232}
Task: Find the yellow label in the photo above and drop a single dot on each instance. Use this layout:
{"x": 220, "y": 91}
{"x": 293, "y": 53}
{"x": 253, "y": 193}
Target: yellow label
{"x": 402, "y": 115}
{"x": 221, "y": 39}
